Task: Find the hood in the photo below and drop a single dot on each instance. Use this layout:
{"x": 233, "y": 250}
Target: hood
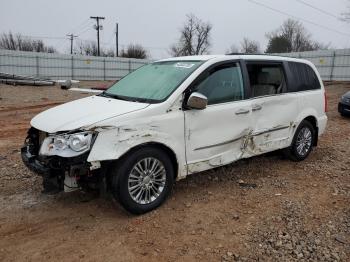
{"x": 83, "y": 112}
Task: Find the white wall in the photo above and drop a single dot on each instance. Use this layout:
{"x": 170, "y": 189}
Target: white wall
{"x": 332, "y": 65}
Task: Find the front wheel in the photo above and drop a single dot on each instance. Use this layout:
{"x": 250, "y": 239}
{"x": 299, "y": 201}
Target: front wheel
{"x": 143, "y": 180}
{"x": 303, "y": 142}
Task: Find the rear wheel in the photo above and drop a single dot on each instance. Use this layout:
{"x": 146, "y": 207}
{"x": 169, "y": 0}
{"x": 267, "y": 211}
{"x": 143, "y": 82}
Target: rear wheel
{"x": 303, "y": 142}
{"x": 143, "y": 180}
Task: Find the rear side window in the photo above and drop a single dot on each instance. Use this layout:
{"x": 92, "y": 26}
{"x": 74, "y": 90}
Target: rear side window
{"x": 304, "y": 77}
{"x": 266, "y": 79}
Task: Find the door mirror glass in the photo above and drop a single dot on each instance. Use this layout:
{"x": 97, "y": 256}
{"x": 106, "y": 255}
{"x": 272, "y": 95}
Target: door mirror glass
{"x": 197, "y": 101}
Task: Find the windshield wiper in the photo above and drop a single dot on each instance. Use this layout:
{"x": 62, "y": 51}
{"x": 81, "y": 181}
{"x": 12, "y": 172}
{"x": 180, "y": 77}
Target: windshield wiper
{"x": 105, "y": 94}
{"x": 130, "y": 99}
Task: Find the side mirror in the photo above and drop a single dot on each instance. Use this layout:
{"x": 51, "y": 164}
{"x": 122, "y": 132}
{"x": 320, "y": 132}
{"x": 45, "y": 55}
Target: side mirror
{"x": 197, "y": 101}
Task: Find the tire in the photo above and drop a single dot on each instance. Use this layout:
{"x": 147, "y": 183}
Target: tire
{"x": 137, "y": 192}
{"x": 304, "y": 135}
{"x": 341, "y": 110}
{"x": 342, "y": 113}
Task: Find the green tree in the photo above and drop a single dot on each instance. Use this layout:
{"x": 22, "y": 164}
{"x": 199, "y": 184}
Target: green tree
{"x": 292, "y": 36}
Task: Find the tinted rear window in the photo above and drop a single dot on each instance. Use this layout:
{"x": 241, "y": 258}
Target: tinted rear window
{"x": 304, "y": 77}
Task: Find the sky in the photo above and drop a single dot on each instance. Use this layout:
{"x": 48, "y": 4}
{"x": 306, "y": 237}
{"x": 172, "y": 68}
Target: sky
{"x": 155, "y": 24}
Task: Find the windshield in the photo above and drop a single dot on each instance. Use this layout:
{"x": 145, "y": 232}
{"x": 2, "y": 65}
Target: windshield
{"x": 153, "y": 82}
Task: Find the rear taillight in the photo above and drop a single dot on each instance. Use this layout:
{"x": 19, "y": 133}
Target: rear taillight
{"x": 325, "y": 102}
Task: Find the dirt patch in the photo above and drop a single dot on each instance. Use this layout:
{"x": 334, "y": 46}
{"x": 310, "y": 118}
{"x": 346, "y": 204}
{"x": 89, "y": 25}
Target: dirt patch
{"x": 294, "y": 211}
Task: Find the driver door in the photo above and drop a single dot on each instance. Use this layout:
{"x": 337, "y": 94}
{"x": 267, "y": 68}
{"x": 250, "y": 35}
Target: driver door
{"x": 216, "y": 135}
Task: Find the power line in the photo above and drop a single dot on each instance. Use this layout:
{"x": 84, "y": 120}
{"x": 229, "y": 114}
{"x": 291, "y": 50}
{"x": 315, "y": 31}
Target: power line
{"x": 318, "y": 9}
{"x": 110, "y": 43}
{"x": 45, "y": 37}
{"x": 83, "y": 32}
{"x": 85, "y": 28}
{"x": 299, "y": 18}
{"x": 63, "y": 39}
{"x": 81, "y": 26}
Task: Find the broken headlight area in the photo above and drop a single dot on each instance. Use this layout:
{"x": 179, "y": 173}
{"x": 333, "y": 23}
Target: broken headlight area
{"x": 61, "y": 160}
{"x": 66, "y": 145}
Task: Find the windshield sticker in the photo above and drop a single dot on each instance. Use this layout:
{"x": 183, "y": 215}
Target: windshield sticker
{"x": 184, "y": 65}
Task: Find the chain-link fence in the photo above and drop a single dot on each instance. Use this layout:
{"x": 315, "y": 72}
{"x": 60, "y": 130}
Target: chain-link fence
{"x": 57, "y": 66}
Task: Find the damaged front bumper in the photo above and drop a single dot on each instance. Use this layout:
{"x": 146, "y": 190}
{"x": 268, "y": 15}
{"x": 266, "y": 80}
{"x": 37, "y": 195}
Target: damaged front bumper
{"x": 32, "y": 162}
{"x": 59, "y": 173}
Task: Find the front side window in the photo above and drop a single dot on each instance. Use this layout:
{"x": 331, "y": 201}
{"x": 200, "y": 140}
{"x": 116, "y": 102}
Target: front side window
{"x": 224, "y": 84}
{"x": 266, "y": 79}
{"x": 153, "y": 82}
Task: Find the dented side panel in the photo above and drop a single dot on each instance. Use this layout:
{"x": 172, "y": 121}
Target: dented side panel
{"x": 216, "y": 136}
{"x": 275, "y": 123}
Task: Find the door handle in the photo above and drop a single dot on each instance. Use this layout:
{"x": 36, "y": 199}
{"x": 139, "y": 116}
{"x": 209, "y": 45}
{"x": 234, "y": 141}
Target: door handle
{"x": 256, "y": 108}
{"x": 242, "y": 111}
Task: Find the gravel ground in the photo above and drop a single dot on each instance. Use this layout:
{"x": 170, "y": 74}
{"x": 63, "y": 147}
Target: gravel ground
{"x": 262, "y": 209}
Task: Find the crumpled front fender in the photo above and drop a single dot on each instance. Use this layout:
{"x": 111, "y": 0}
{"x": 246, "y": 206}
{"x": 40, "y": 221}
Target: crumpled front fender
{"x": 113, "y": 142}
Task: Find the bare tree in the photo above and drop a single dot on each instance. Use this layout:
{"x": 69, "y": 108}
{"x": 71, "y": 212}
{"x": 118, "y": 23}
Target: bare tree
{"x": 250, "y": 46}
{"x": 108, "y": 53}
{"x": 21, "y": 43}
{"x": 194, "y": 38}
{"x": 134, "y": 51}
{"x": 232, "y": 50}
{"x": 292, "y": 37}
{"x": 88, "y": 48}
{"x": 345, "y": 17}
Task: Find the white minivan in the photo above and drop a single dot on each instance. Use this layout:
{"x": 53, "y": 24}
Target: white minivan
{"x": 177, "y": 117}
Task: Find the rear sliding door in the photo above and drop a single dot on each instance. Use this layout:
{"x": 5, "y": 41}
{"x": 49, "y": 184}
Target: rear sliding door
{"x": 274, "y": 109}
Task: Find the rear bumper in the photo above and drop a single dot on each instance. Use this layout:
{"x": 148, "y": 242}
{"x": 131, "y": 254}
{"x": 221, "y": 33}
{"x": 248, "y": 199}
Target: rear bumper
{"x": 322, "y": 124}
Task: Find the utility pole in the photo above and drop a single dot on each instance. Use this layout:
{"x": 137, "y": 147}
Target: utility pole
{"x": 116, "y": 40}
{"x": 71, "y": 38}
{"x": 98, "y": 27}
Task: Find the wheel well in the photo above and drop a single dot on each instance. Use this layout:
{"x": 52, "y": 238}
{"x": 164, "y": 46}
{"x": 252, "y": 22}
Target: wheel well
{"x": 163, "y": 147}
{"x": 313, "y": 121}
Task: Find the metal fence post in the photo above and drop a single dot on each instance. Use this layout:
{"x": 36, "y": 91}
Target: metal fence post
{"x": 37, "y": 65}
{"x": 332, "y": 67}
{"x": 129, "y": 66}
{"x": 72, "y": 67}
{"x": 104, "y": 69}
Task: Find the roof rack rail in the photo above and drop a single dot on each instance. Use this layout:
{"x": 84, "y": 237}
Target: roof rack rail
{"x": 246, "y": 54}
{"x": 280, "y": 55}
